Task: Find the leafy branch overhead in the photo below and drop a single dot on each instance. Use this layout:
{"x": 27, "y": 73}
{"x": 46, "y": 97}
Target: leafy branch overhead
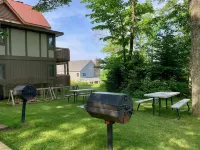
{"x": 48, "y": 5}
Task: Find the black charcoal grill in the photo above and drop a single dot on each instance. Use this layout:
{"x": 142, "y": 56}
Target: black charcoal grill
{"x": 26, "y": 93}
{"x": 115, "y": 107}
{"x": 111, "y": 107}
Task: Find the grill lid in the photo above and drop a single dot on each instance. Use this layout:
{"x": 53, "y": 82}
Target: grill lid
{"x": 108, "y": 98}
{"x": 117, "y": 107}
{"x": 25, "y": 92}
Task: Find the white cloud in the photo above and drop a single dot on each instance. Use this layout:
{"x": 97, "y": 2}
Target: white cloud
{"x": 62, "y": 15}
{"x": 77, "y": 50}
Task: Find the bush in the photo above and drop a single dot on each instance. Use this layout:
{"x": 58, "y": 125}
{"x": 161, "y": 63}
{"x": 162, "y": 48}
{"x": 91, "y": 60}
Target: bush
{"x": 81, "y": 84}
{"x": 148, "y": 86}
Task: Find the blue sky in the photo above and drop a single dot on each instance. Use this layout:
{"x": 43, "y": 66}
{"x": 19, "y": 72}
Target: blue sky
{"x": 78, "y": 35}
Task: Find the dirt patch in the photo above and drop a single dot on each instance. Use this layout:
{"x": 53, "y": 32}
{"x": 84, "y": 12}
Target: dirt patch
{"x": 3, "y": 127}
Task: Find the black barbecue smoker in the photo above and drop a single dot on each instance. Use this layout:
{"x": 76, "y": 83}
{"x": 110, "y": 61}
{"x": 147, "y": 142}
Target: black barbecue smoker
{"x": 111, "y": 107}
{"x": 26, "y": 93}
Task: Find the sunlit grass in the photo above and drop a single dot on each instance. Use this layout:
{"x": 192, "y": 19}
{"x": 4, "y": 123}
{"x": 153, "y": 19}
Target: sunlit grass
{"x": 59, "y": 125}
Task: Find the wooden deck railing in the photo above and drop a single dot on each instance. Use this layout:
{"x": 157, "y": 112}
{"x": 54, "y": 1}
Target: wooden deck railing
{"x": 63, "y": 80}
{"x": 62, "y": 54}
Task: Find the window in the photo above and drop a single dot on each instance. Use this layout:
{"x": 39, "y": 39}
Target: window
{"x": 2, "y": 72}
{"x": 77, "y": 74}
{"x": 2, "y": 36}
{"x": 84, "y": 74}
{"x": 51, "y": 70}
{"x": 50, "y": 42}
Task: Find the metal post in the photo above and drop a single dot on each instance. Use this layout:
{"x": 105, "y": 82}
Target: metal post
{"x": 188, "y": 107}
{"x": 110, "y": 134}
{"x": 179, "y": 116}
{"x": 138, "y": 106}
{"x": 166, "y": 103}
{"x": 23, "y": 111}
{"x": 171, "y": 102}
{"x": 74, "y": 97}
{"x": 159, "y": 105}
{"x": 153, "y": 105}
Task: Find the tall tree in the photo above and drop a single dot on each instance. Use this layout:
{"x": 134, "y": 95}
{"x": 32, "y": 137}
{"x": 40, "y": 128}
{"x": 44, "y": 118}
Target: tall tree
{"x": 194, "y": 6}
{"x": 113, "y": 16}
{"x": 132, "y": 28}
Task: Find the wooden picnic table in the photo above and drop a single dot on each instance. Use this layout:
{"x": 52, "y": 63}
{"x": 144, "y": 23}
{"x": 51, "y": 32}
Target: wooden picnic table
{"x": 76, "y": 92}
{"x": 160, "y": 96}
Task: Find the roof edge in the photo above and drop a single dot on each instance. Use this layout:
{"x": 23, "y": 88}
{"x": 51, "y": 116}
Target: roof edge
{"x": 34, "y": 28}
{"x": 20, "y": 18}
{"x": 86, "y": 64}
{"x": 7, "y": 3}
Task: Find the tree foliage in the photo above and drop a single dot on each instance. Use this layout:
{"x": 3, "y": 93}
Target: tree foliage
{"x": 161, "y": 57}
{"x": 48, "y": 5}
{"x": 146, "y": 48}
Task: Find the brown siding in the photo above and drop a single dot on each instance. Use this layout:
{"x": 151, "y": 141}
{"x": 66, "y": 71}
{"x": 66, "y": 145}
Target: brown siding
{"x": 7, "y": 14}
{"x": 63, "y": 80}
{"x": 26, "y": 72}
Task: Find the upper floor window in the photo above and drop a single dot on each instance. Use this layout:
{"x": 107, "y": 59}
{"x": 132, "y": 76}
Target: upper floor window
{"x": 2, "y": 71}
{"x": 50, "y": 42}
{"x": 51, "y": 70}
{"x": 77, "y": 74}
{"x": 2, "y": 36}
{"x": 84, "y": 74}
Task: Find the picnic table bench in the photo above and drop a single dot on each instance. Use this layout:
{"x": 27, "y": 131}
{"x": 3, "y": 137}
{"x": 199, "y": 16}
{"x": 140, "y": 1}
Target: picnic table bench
{"x": 142, "y": 101}
{"x": 160, "y": 96}
{"x": 82, "y": 92}
{"x": 180, "y": 104}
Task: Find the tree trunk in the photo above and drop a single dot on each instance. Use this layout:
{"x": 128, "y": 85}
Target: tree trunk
{"x": 194, "y": 6}
{"x": 132, "y": 29}
{"x": 124, "y": 52}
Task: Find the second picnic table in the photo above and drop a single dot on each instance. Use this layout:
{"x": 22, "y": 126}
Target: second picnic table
{"x": 160, "y": 96}
{"x": 76, "y": 92}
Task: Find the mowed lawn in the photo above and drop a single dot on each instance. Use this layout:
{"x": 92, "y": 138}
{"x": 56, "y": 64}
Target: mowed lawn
{"x": 59, "y": 125}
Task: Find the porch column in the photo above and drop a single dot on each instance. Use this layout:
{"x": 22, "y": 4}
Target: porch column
{"x": 67, "y": 68}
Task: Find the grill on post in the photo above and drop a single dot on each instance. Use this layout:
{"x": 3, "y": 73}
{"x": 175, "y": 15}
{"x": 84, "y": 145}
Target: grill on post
{"x": 115, "y": 107}
{"x": 111, "y": 107}
{"x": 26, "y": 93}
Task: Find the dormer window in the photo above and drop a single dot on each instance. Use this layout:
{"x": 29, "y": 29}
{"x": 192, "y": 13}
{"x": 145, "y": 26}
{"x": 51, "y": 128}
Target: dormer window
{"x": 50, "y": 42}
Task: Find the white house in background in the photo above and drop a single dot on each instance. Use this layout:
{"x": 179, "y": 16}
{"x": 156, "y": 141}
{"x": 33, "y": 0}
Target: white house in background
{"x": 82, "y": 70}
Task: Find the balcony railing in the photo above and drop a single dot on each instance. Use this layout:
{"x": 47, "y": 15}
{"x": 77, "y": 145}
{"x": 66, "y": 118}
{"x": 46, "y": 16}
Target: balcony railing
{"x": 62, "y": 54}
{"x": 63, "y": 80}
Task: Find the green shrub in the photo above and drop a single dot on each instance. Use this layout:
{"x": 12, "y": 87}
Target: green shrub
{"x": 148, "y": 86}
{"x": 81, "y": 84}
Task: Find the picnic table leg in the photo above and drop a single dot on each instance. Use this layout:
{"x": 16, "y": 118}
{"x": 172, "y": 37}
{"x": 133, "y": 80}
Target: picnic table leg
{"x": 188, "y": 107}
{"x": 171, "y": 102}
{"x": 159, "y": 105}
{"x": 74, "y": 97}
{"x": 138, "y": 106}
{"x": 153, "y": 105}
{"x": 178, "y": 111}
{"x": 166, "y": 103}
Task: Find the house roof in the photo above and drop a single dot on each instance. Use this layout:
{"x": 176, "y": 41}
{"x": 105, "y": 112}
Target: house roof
{"x": 26, "y": 14}
{"x": 77, "y": 65}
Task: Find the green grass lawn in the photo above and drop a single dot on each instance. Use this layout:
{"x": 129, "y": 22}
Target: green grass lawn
{"x": 59, "y": 125}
